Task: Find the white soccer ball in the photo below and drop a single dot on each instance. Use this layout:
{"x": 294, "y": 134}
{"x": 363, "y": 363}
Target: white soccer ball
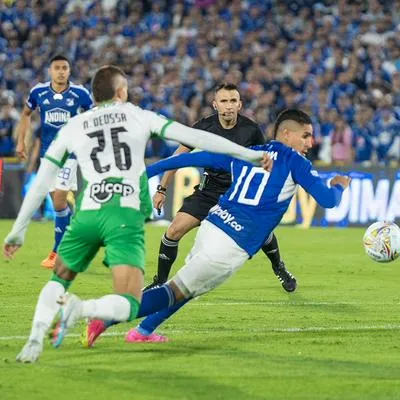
{"x": 382, "y": 241}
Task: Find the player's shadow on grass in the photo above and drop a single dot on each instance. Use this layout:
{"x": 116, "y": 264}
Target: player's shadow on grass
{"x": 162, "y": 382}
{"x": 177, "y": 349}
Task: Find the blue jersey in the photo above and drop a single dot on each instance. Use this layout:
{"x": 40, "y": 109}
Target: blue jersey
{"x": 256, "y": 200}
{"x": 56, "y": 108}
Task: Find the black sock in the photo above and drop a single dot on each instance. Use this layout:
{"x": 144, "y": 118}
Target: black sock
{"x": 271, "y": 249}
{"x": 166, "y": 257}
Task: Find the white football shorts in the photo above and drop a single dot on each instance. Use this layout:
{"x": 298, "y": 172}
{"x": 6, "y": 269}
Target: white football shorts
{"x": 214, "y": 257}
{"x": 66, "y": 178}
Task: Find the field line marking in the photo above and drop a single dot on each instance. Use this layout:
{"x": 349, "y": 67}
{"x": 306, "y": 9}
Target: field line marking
{"x": 262, "y": 303}
{"x": 341, "y": 328}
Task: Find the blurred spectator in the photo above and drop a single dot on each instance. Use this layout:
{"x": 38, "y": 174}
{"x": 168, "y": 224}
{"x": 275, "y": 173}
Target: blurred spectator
{"x": 324, "y": 141}
{"x": 387, "y": 136}
{"x": 342, "y": 143}
{"x": 8, "y": 120}
{"x": 396, "y": 88}
{"x": 362, "y": 138}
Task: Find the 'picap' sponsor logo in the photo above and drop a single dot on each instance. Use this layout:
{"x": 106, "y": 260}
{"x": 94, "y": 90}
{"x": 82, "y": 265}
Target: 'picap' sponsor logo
{"x": 226, "y": 217}
{"x": 103, "y": 191}
{"x": 56, "y": 117}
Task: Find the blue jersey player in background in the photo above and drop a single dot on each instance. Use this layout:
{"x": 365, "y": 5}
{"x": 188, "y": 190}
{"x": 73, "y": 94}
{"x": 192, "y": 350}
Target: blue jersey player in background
{"x": 242, "y": 221}
{"x": 57, "y": 100}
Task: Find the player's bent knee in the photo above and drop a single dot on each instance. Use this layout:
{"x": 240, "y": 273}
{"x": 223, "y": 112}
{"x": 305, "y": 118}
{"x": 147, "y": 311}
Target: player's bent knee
{"x": 181, "y": 292}
{"x": 175, "y": 232}
{"x": 62, "y": 274}
{"x": 62, "y": 271}
{"x": 66, "y": 283}
{"x": 180, "y": 226}
{"x": 60, "y": 199}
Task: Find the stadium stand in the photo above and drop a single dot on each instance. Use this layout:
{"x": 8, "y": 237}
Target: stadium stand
{"x": 339, "y": 60}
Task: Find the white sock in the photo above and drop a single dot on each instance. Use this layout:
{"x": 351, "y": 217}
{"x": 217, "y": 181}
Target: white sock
{"x": 111, "y": 307}
{"x": 46, "y": 309}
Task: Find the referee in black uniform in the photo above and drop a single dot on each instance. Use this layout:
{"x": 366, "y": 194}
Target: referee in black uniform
{"x": 228, "y": 123}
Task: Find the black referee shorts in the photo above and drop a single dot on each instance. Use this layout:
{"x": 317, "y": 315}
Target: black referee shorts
{"x": 199, "y": 203}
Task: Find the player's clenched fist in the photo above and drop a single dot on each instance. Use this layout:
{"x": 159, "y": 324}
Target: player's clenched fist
{"x": 341, "y": 180}
{"x": 9, "y": 249}
{"x": 158, "y": 201}
{"x": 267, "y": 162}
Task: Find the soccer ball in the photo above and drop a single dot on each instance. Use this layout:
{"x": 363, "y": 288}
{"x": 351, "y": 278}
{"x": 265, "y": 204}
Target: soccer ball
{"x": 382, "y": 241}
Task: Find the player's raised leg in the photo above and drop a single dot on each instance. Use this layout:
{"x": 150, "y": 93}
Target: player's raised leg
{"x": 120, "y": 307}
{"x": 206, "y": 267}
{"x": 122, "y": 232}
{"x": 153, "y": 300}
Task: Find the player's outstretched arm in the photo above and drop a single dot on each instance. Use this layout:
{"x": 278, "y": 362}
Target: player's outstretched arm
{"x": 341, "y": 180}
{"x": 198, "y": 159}
{"x": 328, "y": 197}
{"x": 201, "y": 159}
{"x": 37, "y": 192}
{"x": 325, "y": 196}
{"x": 197, "y": 138}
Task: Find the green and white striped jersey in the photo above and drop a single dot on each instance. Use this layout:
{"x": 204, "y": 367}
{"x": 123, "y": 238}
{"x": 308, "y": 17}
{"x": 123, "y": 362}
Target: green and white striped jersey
{"x": 109, "y": 143}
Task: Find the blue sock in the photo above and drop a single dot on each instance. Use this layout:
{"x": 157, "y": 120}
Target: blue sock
{"x": 156, "y": 299}
{"x": 62, "y": 221}
{"x": 152, "y": 322}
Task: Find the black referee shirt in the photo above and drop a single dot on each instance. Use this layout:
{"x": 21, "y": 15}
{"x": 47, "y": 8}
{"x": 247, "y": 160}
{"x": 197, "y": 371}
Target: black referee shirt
{"x": 246, "y": 133}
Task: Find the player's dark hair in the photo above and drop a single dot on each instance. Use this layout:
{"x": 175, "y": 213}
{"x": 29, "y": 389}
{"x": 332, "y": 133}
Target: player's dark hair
{"x": 59, "y": 57}
{"x": 226, "y": 86}
{"x": 291, "y": 114}
{"x": 104, "y": 83}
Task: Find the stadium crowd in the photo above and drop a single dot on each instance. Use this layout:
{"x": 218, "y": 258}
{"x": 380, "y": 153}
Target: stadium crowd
{"x": 338, "y": 60}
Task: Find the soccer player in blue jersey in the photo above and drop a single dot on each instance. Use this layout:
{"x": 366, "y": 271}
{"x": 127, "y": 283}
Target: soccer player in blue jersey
{"x": 237, "y": 227}
{"x": 57, "y": 100}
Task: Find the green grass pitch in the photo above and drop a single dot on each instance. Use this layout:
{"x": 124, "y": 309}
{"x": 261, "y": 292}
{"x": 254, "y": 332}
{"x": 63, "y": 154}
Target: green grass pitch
{"x": 336, "y": 337}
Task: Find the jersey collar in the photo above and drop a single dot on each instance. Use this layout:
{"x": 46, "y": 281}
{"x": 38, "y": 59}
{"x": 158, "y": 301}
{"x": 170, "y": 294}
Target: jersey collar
{"x": 66, "y": 89}
{"x": 108, "y": 103}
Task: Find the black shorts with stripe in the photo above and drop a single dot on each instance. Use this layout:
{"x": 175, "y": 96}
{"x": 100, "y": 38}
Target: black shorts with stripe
{"x": 199, "y": 203}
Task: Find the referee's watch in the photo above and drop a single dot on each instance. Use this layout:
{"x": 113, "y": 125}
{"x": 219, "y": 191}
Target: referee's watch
{"x": 161, "y": 189}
